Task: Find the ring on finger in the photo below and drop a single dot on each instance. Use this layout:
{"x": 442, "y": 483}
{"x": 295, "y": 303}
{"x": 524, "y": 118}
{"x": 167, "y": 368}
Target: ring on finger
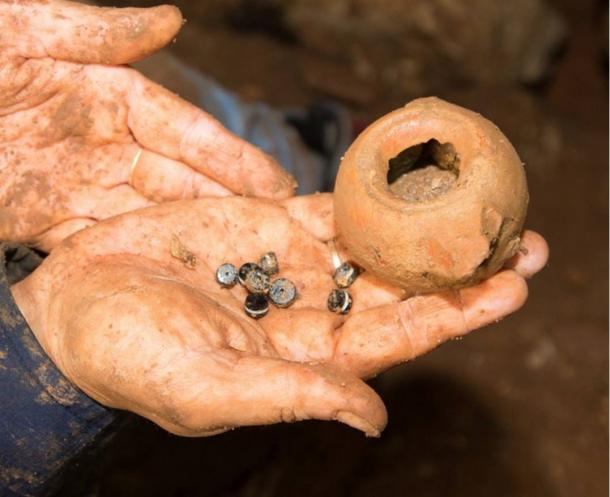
{"x": 134, "y": 163}
{"x": 334, "y": 255}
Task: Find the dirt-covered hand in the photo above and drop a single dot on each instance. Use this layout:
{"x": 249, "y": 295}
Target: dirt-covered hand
{"x": 83, "y": 138}
{"x": 130, "y": 312}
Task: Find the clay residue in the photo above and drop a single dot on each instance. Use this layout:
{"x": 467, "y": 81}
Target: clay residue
{"x": 72, "y": 117}
{"x": 179, "y": 251}
{"x": 423, "y": 184}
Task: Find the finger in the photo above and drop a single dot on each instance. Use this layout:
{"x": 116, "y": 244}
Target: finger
{"x": 368, "y": 291}
{"x": 54, "y": 236}
{"x": 307, "y": 331}
{"x": 101, "y": 203}
{"x": 259, "y": 391}
{"x": 75, "y": 32}
{"x": 532, "y": 256}
{"x": 374, "y": 340}
{"x": 152, "y": 175}
{"x": 315, "y": 213}
{"x": 161, "y": 179}
{"x": 166, "y": 124}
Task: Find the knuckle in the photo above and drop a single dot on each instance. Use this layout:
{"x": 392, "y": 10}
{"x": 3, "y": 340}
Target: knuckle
{"x": 416, "y": 338}
{"x": 198, "y": 133}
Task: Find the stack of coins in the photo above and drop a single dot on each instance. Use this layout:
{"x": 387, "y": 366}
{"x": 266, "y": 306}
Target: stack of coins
{"x": 340, "y": 300}
{"x": 256, "y": 279}
{"x": 281, "y": 292}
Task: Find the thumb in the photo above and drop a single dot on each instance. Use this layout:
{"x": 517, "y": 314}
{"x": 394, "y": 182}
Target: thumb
{"x": 81, "y": 33}
{"x": 262, "y": 390}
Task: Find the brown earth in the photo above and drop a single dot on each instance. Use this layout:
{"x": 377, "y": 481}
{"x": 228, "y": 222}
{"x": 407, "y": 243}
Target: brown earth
{"x": 520, "y": 408}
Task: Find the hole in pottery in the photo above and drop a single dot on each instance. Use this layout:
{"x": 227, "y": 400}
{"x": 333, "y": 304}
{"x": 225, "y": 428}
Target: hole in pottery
{"x": 424, "y": 171}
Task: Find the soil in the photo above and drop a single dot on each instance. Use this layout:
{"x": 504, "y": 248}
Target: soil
{"x": 423, "y": 184}
{"x": 423, "y": 172}
{"x": 519, "y": 408}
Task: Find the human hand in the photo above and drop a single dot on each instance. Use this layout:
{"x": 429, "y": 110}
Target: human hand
{"x": 139, "y": 329}
{"x": 83, "y": 138}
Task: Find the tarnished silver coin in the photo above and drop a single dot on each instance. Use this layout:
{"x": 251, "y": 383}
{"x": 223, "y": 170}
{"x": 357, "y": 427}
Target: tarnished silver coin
{"x": 244, "y": 270}
{"x": 257, "y": 281}
{"x": 268, "y": 263}
{"x": 256, "y": 306}
{"x": 226, "y": 275}
{"x": 339, "y": 301}
{"x": 345, "y": 275}
{"x": 282, "y": 292}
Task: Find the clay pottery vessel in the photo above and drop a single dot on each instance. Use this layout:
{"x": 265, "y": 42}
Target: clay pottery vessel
{"x": 431, "y": 196}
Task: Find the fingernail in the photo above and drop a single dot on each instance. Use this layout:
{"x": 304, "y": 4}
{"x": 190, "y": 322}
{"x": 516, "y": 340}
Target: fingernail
{"x": 359, "y": 423}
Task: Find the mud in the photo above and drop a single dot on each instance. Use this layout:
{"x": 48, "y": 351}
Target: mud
{"x": 179, "y": 251}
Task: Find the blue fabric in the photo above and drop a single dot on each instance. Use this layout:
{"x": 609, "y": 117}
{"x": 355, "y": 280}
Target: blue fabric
{"x": 259, "y": 124}
{"x": 44, "y": 421}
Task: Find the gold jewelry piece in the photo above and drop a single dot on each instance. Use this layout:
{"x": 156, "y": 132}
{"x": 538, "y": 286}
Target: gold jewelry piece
{"x": 134, "y": 163}
{"x": 334, "y": 255}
